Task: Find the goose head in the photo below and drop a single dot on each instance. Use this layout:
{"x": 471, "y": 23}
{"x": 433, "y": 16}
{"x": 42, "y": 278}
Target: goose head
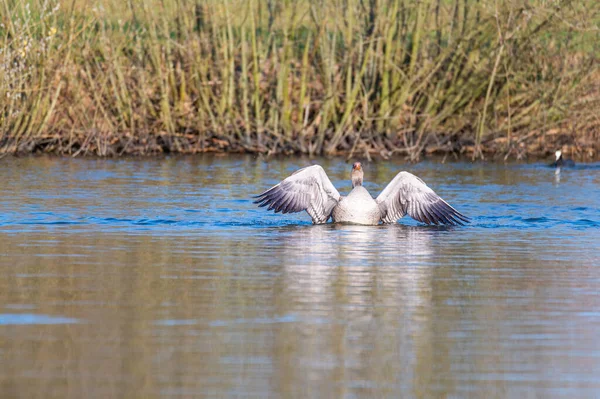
{"x": 558, "y": 154}
{"x": 357, "y": 174}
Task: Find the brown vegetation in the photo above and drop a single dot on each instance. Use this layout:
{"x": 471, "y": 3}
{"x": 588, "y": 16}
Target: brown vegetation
{"x": 359, "y": 77}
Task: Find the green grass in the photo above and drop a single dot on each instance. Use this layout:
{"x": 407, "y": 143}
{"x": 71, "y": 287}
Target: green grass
{"x": 359, "y": 77}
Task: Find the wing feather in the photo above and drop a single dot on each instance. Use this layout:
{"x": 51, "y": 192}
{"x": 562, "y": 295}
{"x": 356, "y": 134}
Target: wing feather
{"x": 439, "y": 215}
{"x": 426, "y": 215}
{"x": 285, "y": 200}
{"x": 308, "y": 189}
{"x": 289, "y": 204}
{"x": 406, "y": 193}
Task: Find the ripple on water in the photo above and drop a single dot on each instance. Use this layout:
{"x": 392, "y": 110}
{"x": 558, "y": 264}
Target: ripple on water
{"x": 34, "y": 319}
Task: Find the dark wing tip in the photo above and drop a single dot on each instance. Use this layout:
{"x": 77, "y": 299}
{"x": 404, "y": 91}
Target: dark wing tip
{"x": 260, "y": 197}
{"x": 278, "y": 199}
{"x": 464, "y": 218}
{"x": 440, "y": 212}
{"x": 457, "y": 217}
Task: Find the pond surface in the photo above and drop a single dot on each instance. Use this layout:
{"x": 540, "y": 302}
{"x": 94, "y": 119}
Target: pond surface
{"x": 160, "y": 278}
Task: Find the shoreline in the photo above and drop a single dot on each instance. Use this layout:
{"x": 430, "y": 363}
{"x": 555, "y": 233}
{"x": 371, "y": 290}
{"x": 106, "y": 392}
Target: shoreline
{"x": 534, "y": 146}
{"x": 490, "y": 153}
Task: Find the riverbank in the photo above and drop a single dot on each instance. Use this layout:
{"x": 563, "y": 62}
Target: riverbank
{"x": 369, "y": 79}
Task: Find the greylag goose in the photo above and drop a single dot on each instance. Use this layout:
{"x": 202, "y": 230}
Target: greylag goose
{"x": 309, "y": 189}
{"x": 560, "y": 161}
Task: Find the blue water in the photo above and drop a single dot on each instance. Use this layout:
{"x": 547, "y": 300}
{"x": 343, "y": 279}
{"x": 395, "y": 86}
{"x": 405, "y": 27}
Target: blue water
{"x": 160, "y": 277}
{"x": 26, "y": 318}
{"x": 135, "y": 195}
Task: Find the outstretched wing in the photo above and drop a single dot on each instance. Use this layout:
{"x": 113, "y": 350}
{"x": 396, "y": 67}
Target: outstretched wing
{"x": 406, "y": 193}
{"x": 308, "y": 189}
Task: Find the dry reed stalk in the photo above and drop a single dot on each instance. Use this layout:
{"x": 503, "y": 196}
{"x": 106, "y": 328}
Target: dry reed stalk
{"x": 311, "y": 76}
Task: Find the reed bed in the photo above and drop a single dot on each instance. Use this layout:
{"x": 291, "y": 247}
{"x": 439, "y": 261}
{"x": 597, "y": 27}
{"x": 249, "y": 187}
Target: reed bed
{"x": 354, "y": 77}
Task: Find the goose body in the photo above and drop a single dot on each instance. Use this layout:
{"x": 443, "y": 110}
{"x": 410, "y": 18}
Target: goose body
{"x": 561, "y": 161}
{"x": 358, "y": 207}
{"x": 309, "y": 189}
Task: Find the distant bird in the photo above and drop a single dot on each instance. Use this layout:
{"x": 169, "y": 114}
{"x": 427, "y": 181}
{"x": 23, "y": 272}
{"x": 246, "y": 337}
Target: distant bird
{"x": 309, "y": 189}
{"x": 560, "y": 161}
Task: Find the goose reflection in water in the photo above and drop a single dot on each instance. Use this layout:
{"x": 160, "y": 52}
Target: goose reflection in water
{"x": 391, "y": 260}
{"x": 357, "y": 244}
{"x": 360, "y": 293}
